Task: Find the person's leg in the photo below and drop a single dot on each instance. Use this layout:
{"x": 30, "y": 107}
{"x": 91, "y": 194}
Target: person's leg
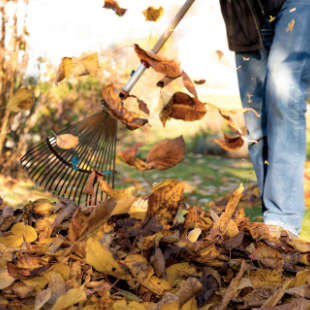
{"x": 288, "y": 79}
{"x": 251, "y": 78}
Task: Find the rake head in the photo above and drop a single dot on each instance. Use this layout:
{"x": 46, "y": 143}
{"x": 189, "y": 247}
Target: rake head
{"x": 65, "y": 172}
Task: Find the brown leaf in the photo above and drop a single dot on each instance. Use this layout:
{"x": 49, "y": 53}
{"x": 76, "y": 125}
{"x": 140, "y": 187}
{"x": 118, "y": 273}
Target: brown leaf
{"x": 22, "y": 273}
{"x": 79, "y": 219}
{"x": 199, "y": 82}
{"x": 210, "y": 285}
{"x": 268, "y": 256}
{"x": 160, "y": 64}
{"x": 158, "y": 262}
{"x": 99, "y": 215}
{"x": 41, "y": 298}
{"x": 188, "y": 290}
{"x": 235, "y": 241}
{"x": 114, "y": 106}
{"x": 93, "y": 178}
{"x": 8, "y": 211}
{"x": 68, "y": 211}
{"x": 67, "y": 141}
{"x": 233, "y": 287}
{"x": 30, "y": 262}
{"x": 111, "y": 4}
{"x": 164, "y": 202}
{"x": 189, "y": 84}
{"x": 229, "y": 143}
{"x": 152, "y": 14}
{"x": 166, "y": 154}
{"x": 184, "y": 107}
{"x": 230, "y": 209}
{"x": 189, "y": 219}
{"x": 299, "y": 304}
{"x": 23, "y": 291}
{"x": 57, "y": 287}
{"x": 274, "y": 298}
{"x": 301, "y": 246}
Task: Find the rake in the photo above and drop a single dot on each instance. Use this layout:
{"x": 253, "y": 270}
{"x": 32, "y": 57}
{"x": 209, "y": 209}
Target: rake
{"x": 65, "y": 172}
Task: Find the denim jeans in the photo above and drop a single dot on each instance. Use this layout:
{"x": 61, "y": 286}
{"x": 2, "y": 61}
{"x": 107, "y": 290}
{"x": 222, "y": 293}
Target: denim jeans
{"x": 278, "y": 78}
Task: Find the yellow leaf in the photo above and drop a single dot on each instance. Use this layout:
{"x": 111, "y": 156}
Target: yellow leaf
{"x": 12, "y": 241}
{"x": 139, "y": 208}
{"x": 123, "y": 305}
{"x": 190, "y": 305}
{"x": 23, "y": 99}
{"x": 5, "y": 278}
{"x": 26, "y": 231}
{"x": 40, "y": 281}
{"x": 117, "y": 194}
{"x": 72, "y": 297}
{"x": 89, "y": 63}
{"x": 123, "y": 205}
{"x": 230, "y": 209}
{"x": 300, "y": 245}
{"x": 99, "y": 257}
{"x": 194, "y": 235}
{"x": 67, "y": 141}
{"x": 173, "y": 272}
{"x": 42, "y": 206}
{"x": 290, "y": 25}
{"x": 152, "y": 14}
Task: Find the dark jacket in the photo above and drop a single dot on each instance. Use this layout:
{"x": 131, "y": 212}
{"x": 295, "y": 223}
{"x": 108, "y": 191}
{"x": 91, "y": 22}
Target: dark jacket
{"x": 243, "y": 22}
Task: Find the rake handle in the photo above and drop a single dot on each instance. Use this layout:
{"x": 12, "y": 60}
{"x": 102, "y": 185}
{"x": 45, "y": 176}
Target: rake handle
{"x": 156, "y": 48}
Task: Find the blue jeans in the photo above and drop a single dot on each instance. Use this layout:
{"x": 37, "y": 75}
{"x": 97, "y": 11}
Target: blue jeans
{"x": 278, "y": 77}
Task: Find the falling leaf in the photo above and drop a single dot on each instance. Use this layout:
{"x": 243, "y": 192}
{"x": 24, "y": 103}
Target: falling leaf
{"x": 99, "y": 257}
{"x": 292, "y": 10}
{"x": 245, "y": 59}
{"x": 87, "y": 65}
{"x": 266, "y": 162}
{"x": 189, "y": 84}
{"x": 184, "y": 107}
{"x": 249, "y": 98}
{"x": 93, "y": 178}
{"x": 166, "y": 154}
{"x": 271, "y": 18}
{"x": 220, "y": 57}
{"x": 188, "y": 290}
{"x": 290, "y": 25}
{"x": 229, "y": 143}
{"x": 111, "y": 4}
{"x": 23, "y": 99}
{"x": 200, "y": 82}
{"x": 194, "y": 235}
{"x": 114, "y": 106}
{"x": 160, "y": 64}
{"x": 152, "y": 14}
{"x": 67, "y": 141}
{"x": 64, "y": 69}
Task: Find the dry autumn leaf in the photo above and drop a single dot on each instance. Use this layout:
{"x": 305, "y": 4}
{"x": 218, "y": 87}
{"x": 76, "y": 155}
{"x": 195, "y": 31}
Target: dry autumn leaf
{"x": 160, "y": 64}
{"x": 65, "y": 69}
{"x": 23, "y": 99}
{"x": 152, "y": 14}
{"x": 230, "y": 143}
{"x": 111, "y": 4}
{"x": 268, "y": 256}
{"x": 99, "y": 257}
{"x": 184, "y": 107}
{"x": 189, "y": 84}
{"x": 230, "y": 209}
{"x": 114, "y": 106}
{"x": 220, "y": 58}
{"x": 117, "y": 194}
{"x": 188, "y": 290}
{"x": 199, "y": 82}
{"x": 67, "y": 141}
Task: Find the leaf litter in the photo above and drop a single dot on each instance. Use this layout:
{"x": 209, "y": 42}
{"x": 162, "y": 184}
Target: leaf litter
{"x": 149, "y": 252}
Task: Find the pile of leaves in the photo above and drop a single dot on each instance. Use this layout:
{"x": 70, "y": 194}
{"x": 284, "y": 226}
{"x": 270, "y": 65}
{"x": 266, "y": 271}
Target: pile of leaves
{"x": 151, "y": 252}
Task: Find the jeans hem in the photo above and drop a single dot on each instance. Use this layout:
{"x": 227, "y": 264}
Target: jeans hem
{"x": 287, "y": 227}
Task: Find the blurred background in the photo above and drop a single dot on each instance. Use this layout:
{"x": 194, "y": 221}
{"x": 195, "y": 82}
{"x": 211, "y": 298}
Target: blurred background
{"x": 37, "y": 34}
